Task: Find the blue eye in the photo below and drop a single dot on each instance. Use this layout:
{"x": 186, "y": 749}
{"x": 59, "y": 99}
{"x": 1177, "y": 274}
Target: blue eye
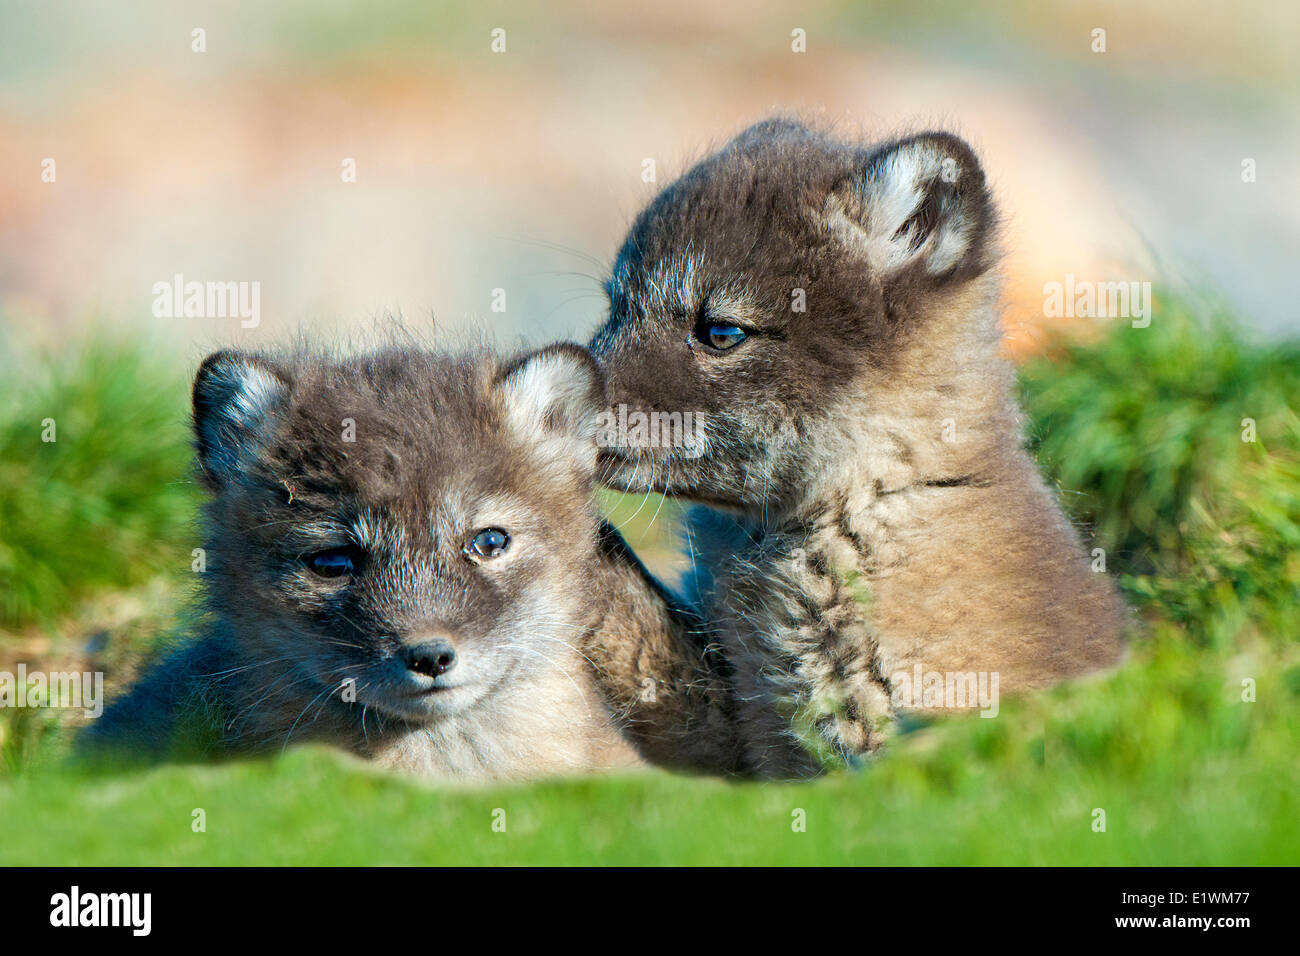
{"x": 488, "y": 543}
{"x": 334, "y": 563}
{"x": 725, "y": 336}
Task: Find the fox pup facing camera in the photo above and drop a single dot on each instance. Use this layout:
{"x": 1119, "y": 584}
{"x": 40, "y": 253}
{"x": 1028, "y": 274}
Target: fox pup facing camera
{"x": 828, "y": 311}
{"x": 403, "y": 559}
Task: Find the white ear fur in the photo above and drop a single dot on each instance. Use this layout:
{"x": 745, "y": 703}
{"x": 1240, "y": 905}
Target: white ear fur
{"x": 234, "y": 394}
{"x": 256, "y": 391}
{"x": 552, "y": 399}
{"x": 914, "y": 207}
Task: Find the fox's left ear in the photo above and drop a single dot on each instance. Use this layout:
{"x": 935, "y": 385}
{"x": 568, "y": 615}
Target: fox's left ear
{"x": 920, "y": 208}
{"x": 553, "y": 398}
{"x": 238, "y": 397}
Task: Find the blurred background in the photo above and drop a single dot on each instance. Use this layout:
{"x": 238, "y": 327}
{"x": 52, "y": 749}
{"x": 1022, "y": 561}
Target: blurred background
{"x": 126, "y": 158}
{"x": 520, "y": 170}
{"x": 362, "y": 160}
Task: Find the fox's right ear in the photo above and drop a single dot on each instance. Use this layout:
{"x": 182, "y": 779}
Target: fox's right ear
{"x": 235, "y": 394}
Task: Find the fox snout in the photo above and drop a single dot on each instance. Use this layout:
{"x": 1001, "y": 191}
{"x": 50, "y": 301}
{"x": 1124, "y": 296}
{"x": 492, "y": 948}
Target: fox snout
{"x": 431, "y": 656}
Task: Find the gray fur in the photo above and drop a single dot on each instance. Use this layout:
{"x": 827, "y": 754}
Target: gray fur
{"x": 883, "y": 512}
{"x": 569, "y": 655}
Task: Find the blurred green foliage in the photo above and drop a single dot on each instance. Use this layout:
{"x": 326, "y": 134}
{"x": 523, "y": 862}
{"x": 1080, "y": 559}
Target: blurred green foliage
{"x": 109, "y": 503}
{"x": 1178, "y": 444}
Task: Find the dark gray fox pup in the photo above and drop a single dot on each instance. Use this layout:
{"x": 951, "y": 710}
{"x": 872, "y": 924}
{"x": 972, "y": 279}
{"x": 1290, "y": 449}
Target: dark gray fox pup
{"x": 829, "y": 312}
{"x": 403, "y": 559}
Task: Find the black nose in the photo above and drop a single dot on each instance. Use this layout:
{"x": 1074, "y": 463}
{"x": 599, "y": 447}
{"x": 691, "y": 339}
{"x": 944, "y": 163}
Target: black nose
{"x": 431, "y": 658}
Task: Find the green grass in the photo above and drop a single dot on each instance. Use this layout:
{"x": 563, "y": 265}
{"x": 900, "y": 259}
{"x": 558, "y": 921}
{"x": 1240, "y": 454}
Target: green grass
{"x": 1185, "y": 772}
{"x": 108, "y": 503}
{"x": 1145, "y": 435}
{"x": 1142, "y": 431}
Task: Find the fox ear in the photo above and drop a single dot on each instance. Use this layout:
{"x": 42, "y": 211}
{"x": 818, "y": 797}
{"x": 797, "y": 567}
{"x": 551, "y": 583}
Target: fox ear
{"x": 922, "y": 207}
{"x": 235, "y": 395}
{"x": 553, "y": 398}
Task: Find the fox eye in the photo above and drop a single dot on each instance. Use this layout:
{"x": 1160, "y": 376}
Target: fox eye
{"x": 488, "y": 543}
{"x": 334, "y": 563}
{"x": 723, "y": 337}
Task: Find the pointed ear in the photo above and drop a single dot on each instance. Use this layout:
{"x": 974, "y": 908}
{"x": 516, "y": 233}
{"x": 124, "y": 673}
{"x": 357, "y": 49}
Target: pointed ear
{"x": 553, "y": 398}
{"x": 236, "y": 396}
{"x": 921, "y": 208}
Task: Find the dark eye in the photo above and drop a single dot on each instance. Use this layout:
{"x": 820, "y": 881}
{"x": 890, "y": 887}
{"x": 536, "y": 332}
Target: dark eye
{"x": 334, "y": 563}
{"x": 488, "y": 543}
{"x": 723, "y": 337}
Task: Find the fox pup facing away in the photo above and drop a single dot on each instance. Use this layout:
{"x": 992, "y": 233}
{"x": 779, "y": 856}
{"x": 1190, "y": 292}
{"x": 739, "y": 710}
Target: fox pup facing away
{"x": 828, "y": 311}
{"x": 403, "y": 559}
